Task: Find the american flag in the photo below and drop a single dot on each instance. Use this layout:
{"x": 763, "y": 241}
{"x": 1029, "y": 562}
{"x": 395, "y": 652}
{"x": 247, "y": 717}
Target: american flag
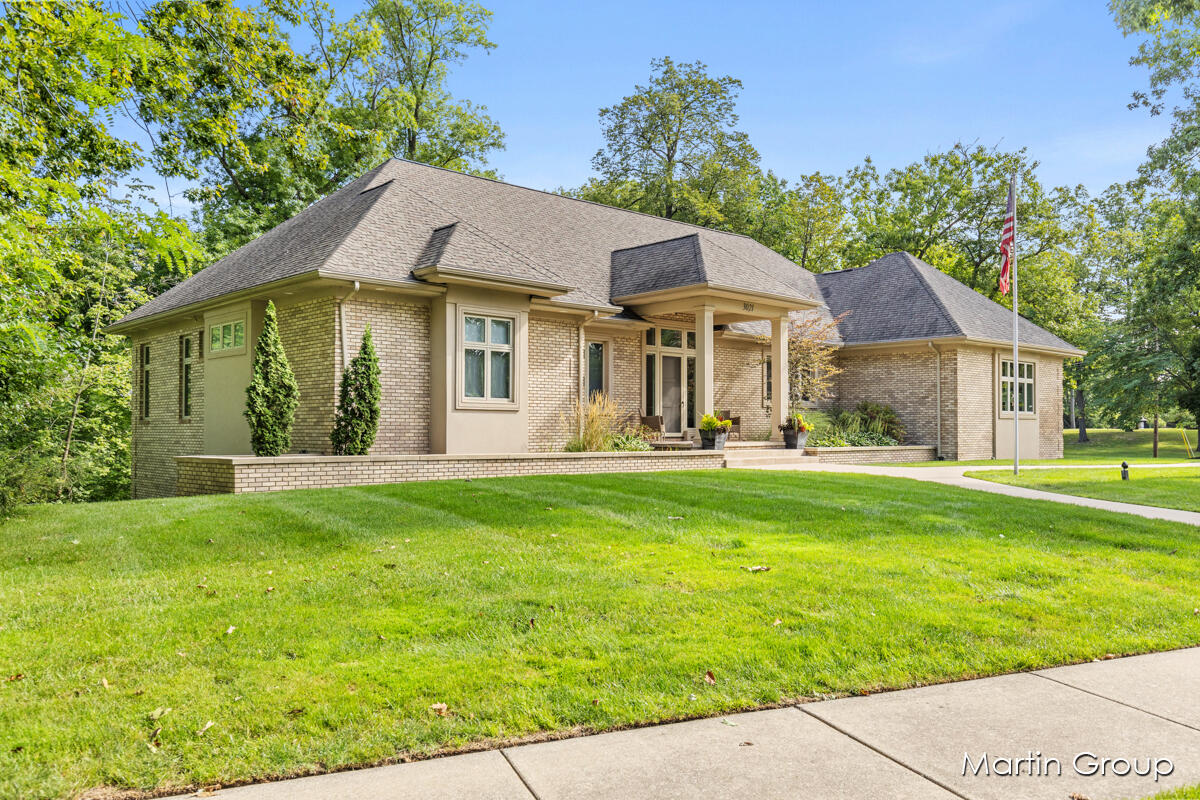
{"x": 1008, "y": 243}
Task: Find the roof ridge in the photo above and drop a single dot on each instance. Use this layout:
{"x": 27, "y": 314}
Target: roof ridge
{"x": 656, "y": 242}
{"x": 576, "y": 199}
{"x": 912, "y": 262}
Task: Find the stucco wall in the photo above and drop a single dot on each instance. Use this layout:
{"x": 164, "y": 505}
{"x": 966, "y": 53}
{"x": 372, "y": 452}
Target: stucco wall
{"x": 157, "y": 440}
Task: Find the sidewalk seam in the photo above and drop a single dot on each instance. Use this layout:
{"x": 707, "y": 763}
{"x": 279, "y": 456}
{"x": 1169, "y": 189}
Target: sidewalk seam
{"x": 1113, "y": 700}
{"x": 889, "y": 757}
{"x": 513, "y": 767}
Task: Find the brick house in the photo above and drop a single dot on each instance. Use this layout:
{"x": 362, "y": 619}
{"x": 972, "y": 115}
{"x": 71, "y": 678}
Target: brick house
{"x": 495, "y": 307}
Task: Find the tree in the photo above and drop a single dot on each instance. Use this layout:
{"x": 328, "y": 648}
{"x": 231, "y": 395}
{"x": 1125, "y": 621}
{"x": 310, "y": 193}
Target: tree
{"x": 672, "y": 147}
{"x": 812, "y": 358}
{"x": 357, "y": 417}
{"x": 272, "y": 395}
{"x": 948, "y": 210}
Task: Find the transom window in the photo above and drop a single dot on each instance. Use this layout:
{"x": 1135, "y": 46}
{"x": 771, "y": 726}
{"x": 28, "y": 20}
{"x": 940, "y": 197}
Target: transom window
{"x": 487, "y": 357}
{"x": 1024, "y": 387}
{"x": 227, "y": 336}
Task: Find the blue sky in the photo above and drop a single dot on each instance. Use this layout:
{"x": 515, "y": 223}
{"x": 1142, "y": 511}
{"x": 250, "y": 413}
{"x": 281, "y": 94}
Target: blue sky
{"x": 825, "y": 83}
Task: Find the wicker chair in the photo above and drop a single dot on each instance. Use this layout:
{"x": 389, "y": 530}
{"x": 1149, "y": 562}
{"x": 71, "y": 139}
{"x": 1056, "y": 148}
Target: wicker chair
{"x": 736, "y": 428}
{"x": 655, "y": 425}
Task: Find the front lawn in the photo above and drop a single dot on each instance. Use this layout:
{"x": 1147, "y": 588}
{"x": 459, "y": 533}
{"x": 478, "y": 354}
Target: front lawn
{"x": 1169, "y": 487}
{"x": 168, "y": 643}
{"x": 1104, "y": 446}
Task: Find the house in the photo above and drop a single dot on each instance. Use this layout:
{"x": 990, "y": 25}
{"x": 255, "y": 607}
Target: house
{"x": 495, "y": 307}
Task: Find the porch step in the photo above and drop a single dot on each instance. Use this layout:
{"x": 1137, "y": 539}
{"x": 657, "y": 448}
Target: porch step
{"x": 776, "y": 457}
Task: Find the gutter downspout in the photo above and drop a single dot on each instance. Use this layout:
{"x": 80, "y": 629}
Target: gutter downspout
{"x": 938, "y": 358}
{"x": 582, "y": 374}
{"x": 342, "y": 321}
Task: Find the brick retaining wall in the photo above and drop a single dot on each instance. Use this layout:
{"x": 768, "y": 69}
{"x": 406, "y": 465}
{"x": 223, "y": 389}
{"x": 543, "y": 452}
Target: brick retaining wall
{"x": 873, "y": 455}
{"x": 238, "y": 474}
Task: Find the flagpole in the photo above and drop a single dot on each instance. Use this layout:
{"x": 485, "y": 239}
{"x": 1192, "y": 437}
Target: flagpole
{"x": 1016, "y": 381}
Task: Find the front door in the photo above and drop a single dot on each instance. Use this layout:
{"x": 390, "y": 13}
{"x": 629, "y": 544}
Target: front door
{"x": 672, "y": 394}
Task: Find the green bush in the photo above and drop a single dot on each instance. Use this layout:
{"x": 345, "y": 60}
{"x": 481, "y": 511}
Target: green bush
{"x": 357, "y": 419}
{"x": 272, "y": 395}
{"x": 629, "y": 441}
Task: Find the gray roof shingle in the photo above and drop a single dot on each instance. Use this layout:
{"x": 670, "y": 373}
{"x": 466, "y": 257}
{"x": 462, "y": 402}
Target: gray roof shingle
{"x": 403, "y": 215}
{"x": 900, "y": 297}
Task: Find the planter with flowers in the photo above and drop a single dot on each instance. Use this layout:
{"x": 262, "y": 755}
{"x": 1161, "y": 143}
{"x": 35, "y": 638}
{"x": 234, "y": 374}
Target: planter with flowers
{"x": 713, "y": 432}
{"x": 795, "y": 432}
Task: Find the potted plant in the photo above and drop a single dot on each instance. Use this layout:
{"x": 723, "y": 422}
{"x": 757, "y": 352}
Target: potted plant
{"x": 713, "y": 432}
{"x": 795, "y": 432}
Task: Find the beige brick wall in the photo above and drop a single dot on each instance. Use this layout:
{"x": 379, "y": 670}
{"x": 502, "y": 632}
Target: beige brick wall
{"x": 553, "y": 381}
{"x": 401, "y": 331}
{"x": 157, "y": 440}
{"x": 224, "y": 475}
{"x": 871, "y": 455}
{"x": 738, "y": 379}
{"x": 625, "y": 377}
{"x": 308, "y": 332}
{"x": 1048, "y": 386}
{"x": 904, "y": 380}
{"x": 974, "y": 412}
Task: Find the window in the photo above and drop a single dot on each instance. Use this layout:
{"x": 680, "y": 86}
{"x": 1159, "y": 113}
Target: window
{"x": 185, "y": 377}
{"x": 650, "y": 337}
{"x": 651, "y": 359}
{"x": 595, "y": 368}
{"x": 144, "y": 400}
{"x": 768, "y": 384}
{"x": 1024, "y": 387}
{"x": 670, "y": 338}
{"x": 227, "y": 336}
{"x": 487, "y": 357}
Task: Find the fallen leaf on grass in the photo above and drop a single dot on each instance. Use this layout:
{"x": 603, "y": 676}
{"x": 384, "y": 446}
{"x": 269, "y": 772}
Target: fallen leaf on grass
{"x": 230, "y": 630}
{"x": 441, "y": 709}
{"x": 674, "y": 517}
{"x": 294, "y": 712}
{"x": 757, "y": 568}
{"x": 104, "y": 682}
{"x": 159, "y": 712}
{"x": 20, "y": 676}
{"x": 710, "y": 679}
{"x": 777, "y": 621}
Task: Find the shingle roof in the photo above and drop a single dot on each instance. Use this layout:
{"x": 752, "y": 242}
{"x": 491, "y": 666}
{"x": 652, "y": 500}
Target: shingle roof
{"x": 689, "y": 260}
{"x": 900, "y": 297}
{"x": 403, "y": 215}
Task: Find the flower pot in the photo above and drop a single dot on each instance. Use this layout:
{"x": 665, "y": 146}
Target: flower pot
{"x": 713, "y": 440}
{"x": 794, "y": 439}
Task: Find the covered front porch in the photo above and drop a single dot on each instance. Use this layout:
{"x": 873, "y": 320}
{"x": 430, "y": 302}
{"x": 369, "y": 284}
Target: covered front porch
{"x": 691, "y": 364}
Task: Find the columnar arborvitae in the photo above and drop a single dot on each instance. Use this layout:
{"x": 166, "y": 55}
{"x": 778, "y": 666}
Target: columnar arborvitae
{"x": 272, "y": 395}
{"x": 358, "y": 403}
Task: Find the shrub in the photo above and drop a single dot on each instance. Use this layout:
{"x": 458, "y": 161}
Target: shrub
{"x": 631, "y": 440}
{"x": 357, "y": 419}
{"x": 880, "y": 418}
{"x": 272, "y": 395}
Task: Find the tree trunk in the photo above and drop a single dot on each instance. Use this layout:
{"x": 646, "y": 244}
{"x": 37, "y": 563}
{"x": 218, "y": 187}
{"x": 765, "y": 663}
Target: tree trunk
{"x": 1156, "y": 434}
{"x": 1081, "y": 419}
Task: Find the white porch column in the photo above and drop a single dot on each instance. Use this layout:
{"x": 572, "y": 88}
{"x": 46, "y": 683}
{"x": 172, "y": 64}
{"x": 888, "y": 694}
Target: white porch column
{"x": 704, "y": 361}
{"x": 780, "y": 330}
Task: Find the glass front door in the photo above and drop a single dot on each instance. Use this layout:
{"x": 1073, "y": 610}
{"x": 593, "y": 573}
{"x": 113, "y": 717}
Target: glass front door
{"x": 672, "y": 393}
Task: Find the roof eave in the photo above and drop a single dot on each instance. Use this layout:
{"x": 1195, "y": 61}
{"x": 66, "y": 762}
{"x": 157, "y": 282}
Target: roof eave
{"x": 441, "y": 273}
{"x": 882, "y": 344}
{"x": 732, "y": 292}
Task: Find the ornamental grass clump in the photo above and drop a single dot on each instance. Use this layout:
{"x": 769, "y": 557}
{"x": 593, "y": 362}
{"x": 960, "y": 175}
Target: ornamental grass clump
{"x": 272, "y": 395}
{"x": 598, "y": 426}
{"x": 357, "y": 419}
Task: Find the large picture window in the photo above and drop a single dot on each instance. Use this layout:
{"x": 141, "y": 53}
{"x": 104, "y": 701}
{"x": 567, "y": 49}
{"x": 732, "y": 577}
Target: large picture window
{"x": 1023, "y": 391}
{"x": 487, "y": 357}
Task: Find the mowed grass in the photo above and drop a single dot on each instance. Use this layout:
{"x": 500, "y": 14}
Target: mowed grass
{"x": 1169, "y": 487}
{"x": 1104, "y": 446}
{"x": 315, "y": 629}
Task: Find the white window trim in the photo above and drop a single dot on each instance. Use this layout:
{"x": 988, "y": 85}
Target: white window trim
{"x": 1001, "y": 380}
{"x": 460, "y": 344}
{"x": 216, "y": 322}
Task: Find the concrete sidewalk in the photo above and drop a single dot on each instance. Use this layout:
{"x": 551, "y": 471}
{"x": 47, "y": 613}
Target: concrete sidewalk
{"x": 1140, "y": 713}
{"x": 954, "y": 476}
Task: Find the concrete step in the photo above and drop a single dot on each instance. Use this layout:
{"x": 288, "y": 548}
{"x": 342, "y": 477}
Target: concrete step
{"x": 778, "y": 457}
